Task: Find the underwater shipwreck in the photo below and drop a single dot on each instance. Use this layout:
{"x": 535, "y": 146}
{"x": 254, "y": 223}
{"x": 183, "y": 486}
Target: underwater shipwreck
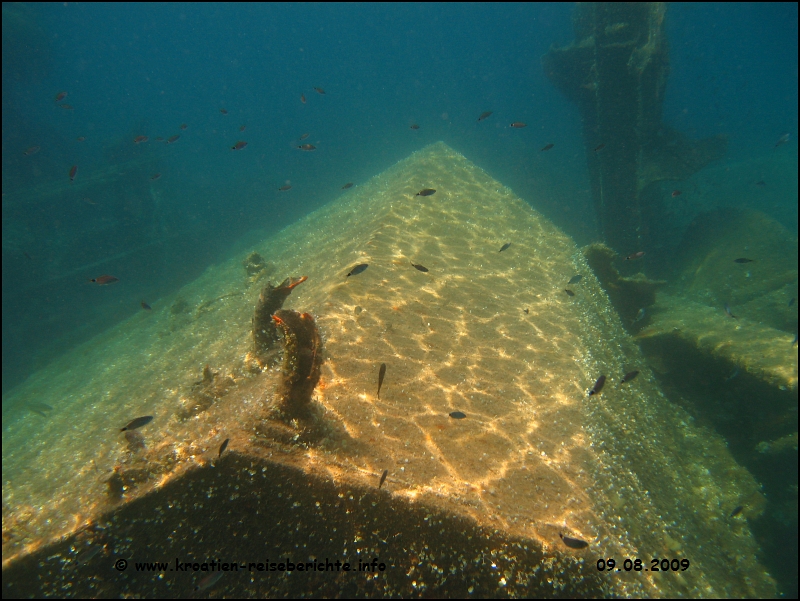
{"x": 482, "y": 468}
{"x": 426, "y": 389}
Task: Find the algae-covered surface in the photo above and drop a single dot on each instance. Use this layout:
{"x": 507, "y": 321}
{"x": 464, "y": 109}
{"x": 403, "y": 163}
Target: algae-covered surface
{"x": 490, "y": 334}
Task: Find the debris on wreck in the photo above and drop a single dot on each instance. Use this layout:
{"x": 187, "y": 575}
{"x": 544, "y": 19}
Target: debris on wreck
{"x": 302, "y": 360}
{"x": 271, "y": 299}
{"x": 255, "y": 267}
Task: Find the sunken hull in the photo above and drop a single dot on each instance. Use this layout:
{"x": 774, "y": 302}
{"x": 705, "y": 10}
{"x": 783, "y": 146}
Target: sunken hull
{"x": 490, "y": 504}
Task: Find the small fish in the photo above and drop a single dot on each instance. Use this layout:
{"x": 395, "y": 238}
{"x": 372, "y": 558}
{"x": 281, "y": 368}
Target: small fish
{"x": 138, "y": 423}
{"x": 639, "y": 316}
{"x": 761, "y": 183}
{"x": 67, "y": 107}
{"x": 791, "y": 302}
{"x": 629, "y": 376}
{"x": 146, "y": 307}
{"x": 32, "y": 150}
{"x": 155, "y": 176}
{"x": 88, "y": 554}
{"x": 737, "y": 510}
{"x": 285, "y": 188}
{"x": 426, "y": 192}
{"x": 734, "y": 373}
{"x": 518, "y": 125}
{"x": 573, "y": 543}
{"x": 599, "y": 148}
{"x": 383, "y": 478}
{"x": 358, "y": 269}
{"x": 635, "y": 256}
{"x": 223, "y": 111}
{"x": 569, "y": 292}
{"x": 794, "y": 340}
{"x": 782, "y": 140}
{"x": 419, "y": 267}
{"x": 484, "y": 115}
{"x": 73, "y": 172}
{"x": 223, "y": 446}
{"x": 548, "y": 147}
{"x": 575, "y": 279}
{"x": 676, "y": 193}
{"x": 140, "y": 139}
{"x": 209, "y": 581}
{"x": 308, "y": 147}
{"x": 728, "y": 311}
{"x": 39, "y": 408}
{"x": 414, "y": 126}
{"x": 242, "y": 127}
{"x": 319, "y": 91}
{"x": 304, "y": 136}
{"x": 458, "y": 415}
{"x": 239, "y": 145}
{"x": 381, "y": 374}
{"x": 104, "y": 280}
{"x": 80, "y": 138}
{"x": 504, "y": 247}
{"x": 302, "y": 98}
{"x": 743, "y": 260}
{"x": 598, "y": 386}
{"x": 347, "y": 186}
{"x": 526, "y": 311}
{"x": 60, "y": 96}
{"x": 184, "y": 126}
{"x": 173, "y": 139}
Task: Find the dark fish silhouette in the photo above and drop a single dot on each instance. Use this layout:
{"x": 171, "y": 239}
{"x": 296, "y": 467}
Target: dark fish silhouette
{"x": 518, "y": 124}
{"x": 140, "y": 139}
{"x": 676, "y": 193}
{"x": 426, "y": 192}
{"x": 303, "y": 98}
{"x": 223, "y": 446}
{"x": 223, "y": 111}
{"x": 155, "y": 176}
{"x": 209, "y": 581}
{"x": 575, "y": 279}
{"x": 104, "y": 280}
{"x": 737, "y": 511}
{"x": 146, "y": 307}
{"x": 138, "y": 423}
{"x": 728, "y": 311}
{"x": 284, "y": 188}
{"x": 484, "y": 115}
{"x": 415, "y": 126}
{"x": 635, "y": 256}
{"x": 304, "y": 136}
{"x": 569, "y": 292}
{"x": 32, "y": 150}
{"x": 420, "y": 267}
{"x": 307, "y": 147}
{"x": 383, "y": 478}
{"x": 548, "y": 147}
{"x": 458, "y": 415}
{"x": 73, "y": 172}
{"x": 599, "y": 148}
{"x": 239, "y": 145}
{"x": 573, "y": 543}
{"x": 598, "y": 386}
{"x": 39, "y": 408}
{"x": 60, "y": 96}
{"x": 358, "y": 269}
{"x": 743, "y": 260}
{"x": 347, "y": 186}
{"x": 319, "y": 91}
{"x": 629, "y": 376}
{"x": 782, "y": 140}
{"x": 173, "y": 139}
{"x": 184, "y": 126}
{"x": 381, "y": 374}
{"x": 504, "y": 247}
